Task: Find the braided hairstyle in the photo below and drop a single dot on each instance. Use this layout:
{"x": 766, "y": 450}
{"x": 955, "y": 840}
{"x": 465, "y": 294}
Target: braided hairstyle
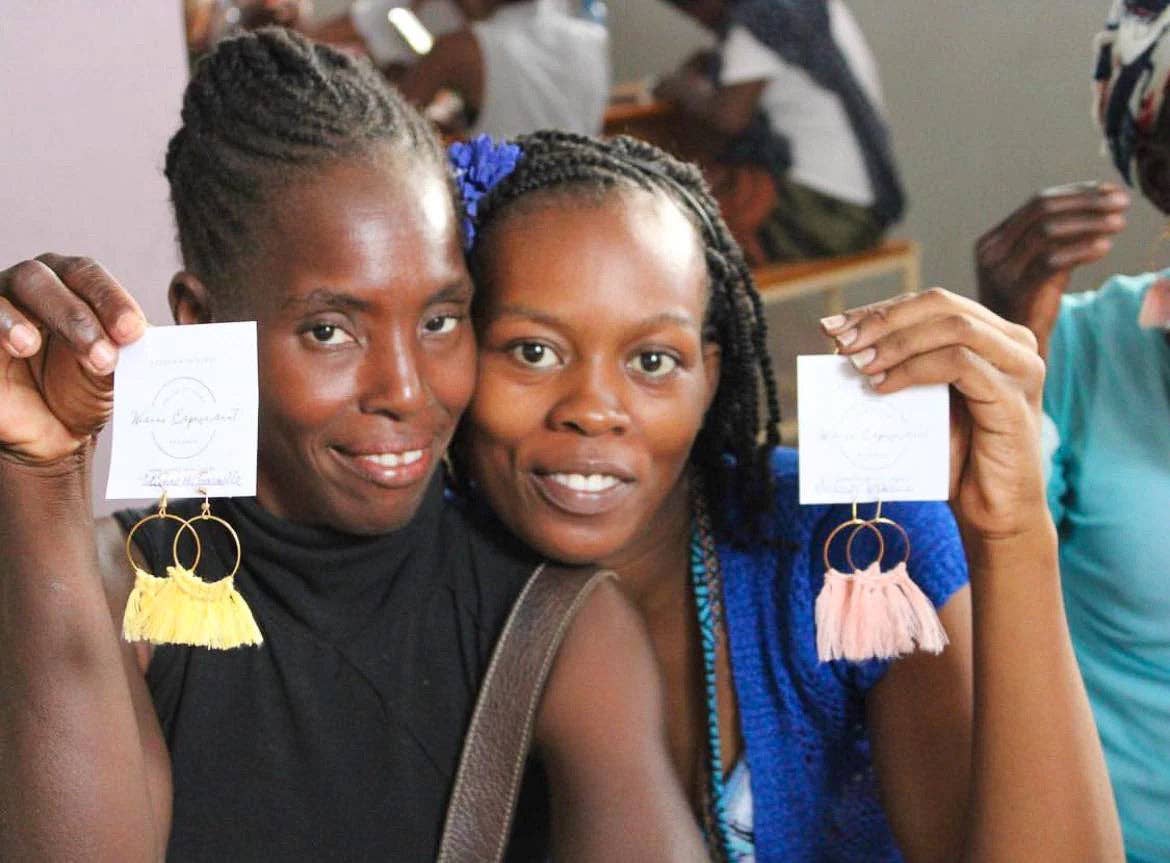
{"x": 731, "y": 452}
{"x": 262, "y": 111}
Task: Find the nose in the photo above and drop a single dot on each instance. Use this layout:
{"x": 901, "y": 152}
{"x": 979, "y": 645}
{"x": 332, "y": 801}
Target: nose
{"x": 392, "y": 383}
{"x": 592, "y": 404}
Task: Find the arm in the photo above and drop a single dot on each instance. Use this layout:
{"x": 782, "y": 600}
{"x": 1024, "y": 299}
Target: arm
{"x": 454, "y": 63}
{"x": 1038, "y": 788}
{"x": 727, "y": 110}
{"x": 602, "y": 736}
{"x": 919, "y": 718}
{"x": 1024, "y": 264}
{"x": 84, "y": 773}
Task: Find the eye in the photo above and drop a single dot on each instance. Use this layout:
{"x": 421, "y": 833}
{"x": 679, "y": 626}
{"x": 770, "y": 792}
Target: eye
{"x": 535, "y": 355}
{"x": 329, "y": 334}
{"x": 653, "y": 364}
{"x": 440, "y": 325}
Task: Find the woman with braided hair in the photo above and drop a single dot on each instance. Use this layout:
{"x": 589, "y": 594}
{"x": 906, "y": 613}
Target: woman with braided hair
{"x": 625, "y": 413}
{"x": 311, "y": 199}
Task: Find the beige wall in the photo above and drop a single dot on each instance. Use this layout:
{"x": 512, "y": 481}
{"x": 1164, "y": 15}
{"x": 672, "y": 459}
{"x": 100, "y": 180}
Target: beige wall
{"x": 90, "y": 95}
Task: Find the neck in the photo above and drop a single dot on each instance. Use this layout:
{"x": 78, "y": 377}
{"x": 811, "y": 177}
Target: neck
{"x": 654, "y": 567}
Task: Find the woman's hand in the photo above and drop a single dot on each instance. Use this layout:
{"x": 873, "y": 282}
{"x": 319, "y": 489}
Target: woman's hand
{"x": 996, "y": 379}
{"x": 1024, "y": 263}
{"x": 62, "y": 321}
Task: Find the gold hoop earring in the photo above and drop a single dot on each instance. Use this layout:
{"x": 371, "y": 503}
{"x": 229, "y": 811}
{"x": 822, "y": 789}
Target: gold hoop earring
{"x": 185, "y": 609}
{"x": 146, "y": 584}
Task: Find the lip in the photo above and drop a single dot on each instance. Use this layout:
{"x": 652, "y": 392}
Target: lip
{"x": 356, "y": 460}
{"x": 578, "y": 502}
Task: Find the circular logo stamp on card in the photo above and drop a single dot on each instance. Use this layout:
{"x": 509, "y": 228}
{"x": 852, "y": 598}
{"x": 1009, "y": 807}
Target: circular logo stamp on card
{"x": 878, "y": 443}
{"x": 184, "y": 406}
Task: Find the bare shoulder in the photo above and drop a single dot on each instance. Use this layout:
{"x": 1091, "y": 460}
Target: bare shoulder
{"x": 605, "y": 664}
{"x": 111, "y": 553}
{"x": 601, "y": 733}
{"x": 117, "y": 577}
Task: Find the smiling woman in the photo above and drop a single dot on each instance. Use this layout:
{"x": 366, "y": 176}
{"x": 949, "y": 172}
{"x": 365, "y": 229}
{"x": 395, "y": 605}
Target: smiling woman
{"x": 547, "y": 349}
{"x": 362, "y": 305}
{"x": 310, "y": 199}
{"x": 625, "y": 413}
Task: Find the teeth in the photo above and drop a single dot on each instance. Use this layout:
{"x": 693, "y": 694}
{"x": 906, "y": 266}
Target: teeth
{"x": 392, "y": 459}
{"x": 594, "y": 482}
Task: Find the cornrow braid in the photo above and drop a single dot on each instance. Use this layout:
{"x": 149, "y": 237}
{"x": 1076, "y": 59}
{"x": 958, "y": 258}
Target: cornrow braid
{"x": 260, "y": 110}
{"x": 732, "y": 450}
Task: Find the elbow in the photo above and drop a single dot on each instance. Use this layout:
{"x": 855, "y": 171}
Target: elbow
{"x": 730, "y": 122}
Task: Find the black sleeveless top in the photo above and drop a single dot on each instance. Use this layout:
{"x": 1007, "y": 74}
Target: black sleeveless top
{"x": 338, "y": 739}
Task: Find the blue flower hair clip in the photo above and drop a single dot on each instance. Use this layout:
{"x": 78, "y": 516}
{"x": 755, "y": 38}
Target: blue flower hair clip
{"x": 480, "y": 165}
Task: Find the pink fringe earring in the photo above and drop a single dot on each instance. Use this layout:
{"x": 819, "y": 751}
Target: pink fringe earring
{"x": 834, "y": 606}
{"x": 874, "y": 614}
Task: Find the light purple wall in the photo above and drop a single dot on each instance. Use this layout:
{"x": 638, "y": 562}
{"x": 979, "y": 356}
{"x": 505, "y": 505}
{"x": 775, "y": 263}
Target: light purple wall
{"x": 89, "y": 95}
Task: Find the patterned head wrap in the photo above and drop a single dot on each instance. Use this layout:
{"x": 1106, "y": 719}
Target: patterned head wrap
{"x": 1133, "y": 68}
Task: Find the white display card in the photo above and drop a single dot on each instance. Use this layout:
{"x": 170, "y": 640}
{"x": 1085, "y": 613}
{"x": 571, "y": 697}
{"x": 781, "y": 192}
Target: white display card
{"x": 185, "y": 413}
{"x": 858, "y": 446}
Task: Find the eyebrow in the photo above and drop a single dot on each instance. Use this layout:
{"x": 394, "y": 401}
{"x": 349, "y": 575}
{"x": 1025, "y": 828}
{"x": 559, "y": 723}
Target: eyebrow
{"x": 325, "y": 298}
{"x": 328, "y": 299}
{"x": 514, "y": 311}
{"x": 456, "y": 292}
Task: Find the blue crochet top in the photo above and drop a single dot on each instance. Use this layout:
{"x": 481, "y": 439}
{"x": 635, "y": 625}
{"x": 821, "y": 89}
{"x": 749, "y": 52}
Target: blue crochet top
{"x": 814, "y": 792}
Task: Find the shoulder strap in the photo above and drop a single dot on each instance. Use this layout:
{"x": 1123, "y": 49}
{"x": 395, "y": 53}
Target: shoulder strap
{"x": 479, "y": 814}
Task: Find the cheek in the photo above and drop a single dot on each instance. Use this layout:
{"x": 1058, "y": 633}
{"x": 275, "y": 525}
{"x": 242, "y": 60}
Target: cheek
{"x": 450, "y": 375}
{"x": 670, "y": 426}
{"x": 502, "y": 417}
{"x": 297, "y": 394}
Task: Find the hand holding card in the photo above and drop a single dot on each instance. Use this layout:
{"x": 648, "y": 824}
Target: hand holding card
{"x": 185, "y": 413}
{"x": 62, "y": 321}
{"x": 996, "y": 380}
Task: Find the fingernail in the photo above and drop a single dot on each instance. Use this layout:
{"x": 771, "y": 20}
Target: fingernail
{"x": 833, "y": 322}
{"x": 875, "y": 380}
{"x": 22, "y": 338}
{"x": 103, "y": 356}
{"x": 864, "y": 358}
{"x": 128, "y": 325}
{"x": 847, "y": 338}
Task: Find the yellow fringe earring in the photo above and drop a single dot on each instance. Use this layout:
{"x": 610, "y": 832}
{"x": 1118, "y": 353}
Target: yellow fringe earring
{"x": 146, "y": 585}
{"x": 185, "y": 609}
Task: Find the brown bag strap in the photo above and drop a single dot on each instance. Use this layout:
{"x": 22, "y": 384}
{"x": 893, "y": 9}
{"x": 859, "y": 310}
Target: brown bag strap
{"x": 479, "y": 814}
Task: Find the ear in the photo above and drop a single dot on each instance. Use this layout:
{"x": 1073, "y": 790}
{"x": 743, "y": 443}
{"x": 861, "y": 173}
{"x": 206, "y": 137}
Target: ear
{"x": 189, "y": 299}
{"x": 1153, "y": 170}
{"x": 713, "y": 367}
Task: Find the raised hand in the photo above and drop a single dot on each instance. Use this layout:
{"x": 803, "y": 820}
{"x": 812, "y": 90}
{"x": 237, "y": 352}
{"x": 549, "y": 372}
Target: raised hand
{"x": 1023, "y": 264}
{"x": 62, "y": 320}
{"x": 996, "y": 378}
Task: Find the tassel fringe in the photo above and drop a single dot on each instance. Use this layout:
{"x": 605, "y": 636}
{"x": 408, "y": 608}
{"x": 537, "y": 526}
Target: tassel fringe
{"x": 184, "y": 609}
{"x": 875, "y": 615}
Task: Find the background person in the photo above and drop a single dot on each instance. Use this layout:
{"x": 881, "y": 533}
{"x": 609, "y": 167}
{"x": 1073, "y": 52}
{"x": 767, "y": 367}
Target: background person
{"x": 1108, "y": 406}
{"x": 793, "y": 89}
{"x": 515, "y": 65}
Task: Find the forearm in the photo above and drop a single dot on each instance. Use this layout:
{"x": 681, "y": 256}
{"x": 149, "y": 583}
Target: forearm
{"x": 72, "y": 767}
{"x": 1040, "y": 790}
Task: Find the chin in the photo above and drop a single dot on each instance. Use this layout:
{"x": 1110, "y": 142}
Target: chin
{"x": 575, "y": 547}
{"x": 373, "y": 523}
{"x": 362, "y": 514}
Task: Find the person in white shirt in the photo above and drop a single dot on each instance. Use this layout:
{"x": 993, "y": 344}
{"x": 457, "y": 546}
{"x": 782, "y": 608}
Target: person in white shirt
{"x": 517, "y": 65}
{"x": 795, "y": 90}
